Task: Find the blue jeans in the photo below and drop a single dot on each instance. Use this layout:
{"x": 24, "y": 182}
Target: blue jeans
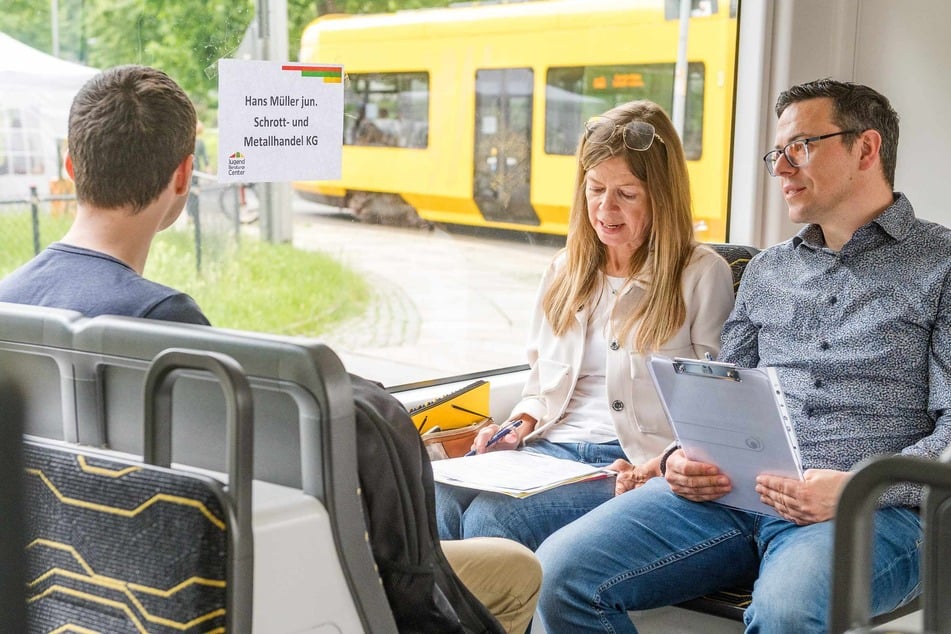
{"x": 649, "y": 548}
{"x": 462, "y": 512}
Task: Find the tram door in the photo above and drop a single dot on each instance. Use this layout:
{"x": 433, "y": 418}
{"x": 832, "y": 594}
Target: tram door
{"x": 503, "y": 134}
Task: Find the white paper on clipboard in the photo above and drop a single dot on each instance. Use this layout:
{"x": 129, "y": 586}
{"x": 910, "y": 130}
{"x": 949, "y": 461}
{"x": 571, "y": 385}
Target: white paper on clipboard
{"x": 735, "y": 418}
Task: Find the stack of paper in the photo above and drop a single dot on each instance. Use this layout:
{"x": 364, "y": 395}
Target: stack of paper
{"x": 516, "y": 473}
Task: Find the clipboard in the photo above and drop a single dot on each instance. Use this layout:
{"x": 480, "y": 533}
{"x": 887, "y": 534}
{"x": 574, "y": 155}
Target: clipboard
{"x": 735, "y": 418}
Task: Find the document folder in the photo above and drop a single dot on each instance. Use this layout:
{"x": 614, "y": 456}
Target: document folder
{"x": 518, "y": 474}
{"x": 735, "y": 418}
{"x": 461, "y": 408}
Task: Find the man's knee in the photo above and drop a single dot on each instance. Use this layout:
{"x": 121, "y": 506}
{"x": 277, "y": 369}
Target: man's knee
{"x": 504, "y": 575}
{"x": 784, "y": 615}
{"x": 792, "y": 591}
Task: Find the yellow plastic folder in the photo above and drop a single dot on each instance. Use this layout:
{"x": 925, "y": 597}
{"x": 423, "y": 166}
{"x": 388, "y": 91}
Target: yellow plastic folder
{"x": 461, "y": 408}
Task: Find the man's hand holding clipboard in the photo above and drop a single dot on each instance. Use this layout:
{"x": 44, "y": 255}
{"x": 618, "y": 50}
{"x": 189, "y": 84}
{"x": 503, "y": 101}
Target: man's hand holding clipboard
{"x": 733, "y": 428}
{"x": 807, "y": 501}
{"x": 694, "y": 480}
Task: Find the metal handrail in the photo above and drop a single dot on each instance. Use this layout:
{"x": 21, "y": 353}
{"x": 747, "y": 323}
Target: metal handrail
{"x": 164, "y": 370}
{"x": 852, "y": 560}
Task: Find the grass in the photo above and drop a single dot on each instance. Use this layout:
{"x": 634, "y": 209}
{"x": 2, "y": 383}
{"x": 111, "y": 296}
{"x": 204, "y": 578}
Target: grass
{"x": 16, "y": 235}
{"x": 256, "y": 286}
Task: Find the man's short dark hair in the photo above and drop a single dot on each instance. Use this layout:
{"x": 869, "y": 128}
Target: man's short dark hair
{"x": 855, "y": 107}
{"x": 130, "y": 127}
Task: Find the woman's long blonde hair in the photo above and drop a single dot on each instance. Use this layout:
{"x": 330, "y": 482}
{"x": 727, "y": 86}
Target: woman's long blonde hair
{"x": 663, "y": 257}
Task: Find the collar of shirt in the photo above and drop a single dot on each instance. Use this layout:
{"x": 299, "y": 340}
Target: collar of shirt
{"x": 895, "y": 221}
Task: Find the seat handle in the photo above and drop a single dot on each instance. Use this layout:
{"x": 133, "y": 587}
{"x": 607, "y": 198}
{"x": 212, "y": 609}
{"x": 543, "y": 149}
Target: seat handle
{"x": 164, "y": 370}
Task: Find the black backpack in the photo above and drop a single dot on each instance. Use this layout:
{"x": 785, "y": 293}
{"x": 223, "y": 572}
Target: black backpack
{"x": 425, "y": 594}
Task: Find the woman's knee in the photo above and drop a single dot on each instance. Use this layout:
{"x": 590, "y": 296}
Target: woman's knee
{"x": 451, "y": 504}
{"x": 498, "y": 516}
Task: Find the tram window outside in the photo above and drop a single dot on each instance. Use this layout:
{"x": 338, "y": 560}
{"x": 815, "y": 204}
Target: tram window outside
{"x": 577, "y": 93}
{"x": 449, "y": 214}
{"x": 389, "y": 109}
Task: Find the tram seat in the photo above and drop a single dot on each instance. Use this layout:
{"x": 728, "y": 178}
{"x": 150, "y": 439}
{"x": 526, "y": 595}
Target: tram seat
{"x": 737, "y": 256}
{"x": 123, "y": 546}
{"x": 82, "y": 382}
{"x": 13, "y": 571}
{"x": 119, "y": 546}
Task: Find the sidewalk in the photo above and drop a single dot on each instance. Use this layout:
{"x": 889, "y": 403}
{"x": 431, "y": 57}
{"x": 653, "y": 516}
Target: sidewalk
{"x": 443, "y": 303}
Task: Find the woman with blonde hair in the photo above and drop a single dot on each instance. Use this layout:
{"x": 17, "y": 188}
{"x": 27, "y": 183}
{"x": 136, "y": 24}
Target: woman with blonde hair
{"x": 630, "y": 282}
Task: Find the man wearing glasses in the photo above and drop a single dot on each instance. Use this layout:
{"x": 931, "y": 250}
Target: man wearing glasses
{"x": 854, "y": 314}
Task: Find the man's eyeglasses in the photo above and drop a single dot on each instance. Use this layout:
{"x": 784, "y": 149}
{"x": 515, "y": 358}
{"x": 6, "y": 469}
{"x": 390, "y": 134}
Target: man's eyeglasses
{"x": 638, "y": 135}
{"x": 797, "y": 152}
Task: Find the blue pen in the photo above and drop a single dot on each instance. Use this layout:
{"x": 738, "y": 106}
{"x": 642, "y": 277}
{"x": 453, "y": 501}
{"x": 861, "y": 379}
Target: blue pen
{"x": 499, "y": 435}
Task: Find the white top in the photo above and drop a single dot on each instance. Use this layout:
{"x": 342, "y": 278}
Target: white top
{"x": 635, "y": 408}
{"x": 588, "y": 415}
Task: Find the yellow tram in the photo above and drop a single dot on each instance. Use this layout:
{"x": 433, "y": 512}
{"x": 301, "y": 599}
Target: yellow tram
{"x": 471, "y": 115}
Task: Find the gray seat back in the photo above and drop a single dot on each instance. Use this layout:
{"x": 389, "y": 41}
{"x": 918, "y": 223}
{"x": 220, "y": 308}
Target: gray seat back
{"x": 85, "y": 382}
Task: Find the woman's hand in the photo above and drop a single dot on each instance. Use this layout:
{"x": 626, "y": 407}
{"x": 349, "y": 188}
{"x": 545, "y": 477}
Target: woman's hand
{"x": 631, "y": 476}
{"x": 511, "y": 440}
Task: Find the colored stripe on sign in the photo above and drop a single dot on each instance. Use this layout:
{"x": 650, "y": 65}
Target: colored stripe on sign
{"x": 330, "y": 74}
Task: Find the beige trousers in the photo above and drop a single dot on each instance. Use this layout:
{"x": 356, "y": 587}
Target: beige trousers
{"x": 504, "y": 575}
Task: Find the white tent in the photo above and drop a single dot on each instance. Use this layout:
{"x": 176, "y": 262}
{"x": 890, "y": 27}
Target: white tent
{"x": 36, "y": 91}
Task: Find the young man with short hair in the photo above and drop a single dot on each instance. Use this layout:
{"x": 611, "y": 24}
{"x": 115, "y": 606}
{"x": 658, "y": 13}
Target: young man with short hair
{"x": 130, "y": 143}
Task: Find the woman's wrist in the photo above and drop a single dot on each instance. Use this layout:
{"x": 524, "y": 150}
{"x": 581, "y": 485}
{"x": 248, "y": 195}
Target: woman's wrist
{"x": 652, "y": 468}
{"x": 526, "y": 427}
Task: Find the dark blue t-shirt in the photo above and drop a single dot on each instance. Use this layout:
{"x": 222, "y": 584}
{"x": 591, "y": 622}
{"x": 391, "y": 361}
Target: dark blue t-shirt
{"x": 93, "y": 283}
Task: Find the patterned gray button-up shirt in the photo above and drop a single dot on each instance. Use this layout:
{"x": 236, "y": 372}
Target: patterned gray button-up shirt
{"x": 861, "y": 339}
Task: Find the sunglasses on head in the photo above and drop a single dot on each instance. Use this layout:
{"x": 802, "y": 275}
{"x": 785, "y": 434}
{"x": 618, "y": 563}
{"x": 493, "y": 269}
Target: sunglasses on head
{"x": 637, "y": 135}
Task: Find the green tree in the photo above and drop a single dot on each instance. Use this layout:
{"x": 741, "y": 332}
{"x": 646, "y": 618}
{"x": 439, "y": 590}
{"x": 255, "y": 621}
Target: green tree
{"x": 300, "y": 13}
{"x": 323, "y": 7}
{"x": 30, "y": 22}
{"x": 185, "y": 38}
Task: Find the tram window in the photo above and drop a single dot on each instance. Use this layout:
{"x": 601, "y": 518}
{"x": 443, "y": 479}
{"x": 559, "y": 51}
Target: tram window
{"x": 453, "y": 197}
{"x": 577, "y": 93}
{"x": 697, "y": 8}
{"x": 388, "y": 109}
{"x": 4, "y": 151}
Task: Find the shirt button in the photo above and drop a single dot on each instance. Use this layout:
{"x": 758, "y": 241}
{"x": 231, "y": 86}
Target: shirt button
{"x": 833, "y": 300}
{"x": 617, "y": 406}
{"x": 818, "y": 383}
{"x": 614, "y": 345}
{"x": 824, "y": 345}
